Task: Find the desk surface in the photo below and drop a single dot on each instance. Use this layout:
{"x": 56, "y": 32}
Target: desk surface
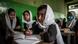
{"x": 69, "y": 32}
{"x": 66, "y": 30}
{"x": 26, "y": 41}
{"x": 20, "y": 38}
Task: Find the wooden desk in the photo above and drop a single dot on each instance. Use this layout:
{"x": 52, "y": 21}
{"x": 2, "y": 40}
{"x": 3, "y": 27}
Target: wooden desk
{"x": 69, "y": 33}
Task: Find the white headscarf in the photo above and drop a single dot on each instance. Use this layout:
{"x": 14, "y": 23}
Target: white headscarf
{"x": 8, "y": 22}
{"x": 30, "y": 22}
{"x": 49, "y": 19}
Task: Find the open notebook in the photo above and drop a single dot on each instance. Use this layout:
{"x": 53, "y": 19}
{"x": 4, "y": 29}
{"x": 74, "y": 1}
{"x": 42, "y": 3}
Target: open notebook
{"x": 20, "y": 38}
{"x": 19, "y": 35}
{"x": 33, "y": 37}
{"x": 27, "y": 41}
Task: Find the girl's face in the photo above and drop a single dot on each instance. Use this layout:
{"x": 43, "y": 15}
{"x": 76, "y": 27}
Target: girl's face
{"x": 12, "y": 15}
{"x": 41, "y": 15}
{"x": 27, "y": 16}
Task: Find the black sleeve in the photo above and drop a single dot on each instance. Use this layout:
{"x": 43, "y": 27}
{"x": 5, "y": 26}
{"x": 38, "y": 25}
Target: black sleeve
{"x": 36, "y": 29}
{"x": 52, "y": 31}
{"x": 25, "y": 26}
{"x": 2, "y": 29}
{"x": 2, "y": 25}
{"x": 50, "y": 35}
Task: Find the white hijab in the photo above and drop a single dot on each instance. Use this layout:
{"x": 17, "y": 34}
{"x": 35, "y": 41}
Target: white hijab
{"x": 8, "y": 22}
{"x": 30, "y": 22}
{"x": 49, "y": 19}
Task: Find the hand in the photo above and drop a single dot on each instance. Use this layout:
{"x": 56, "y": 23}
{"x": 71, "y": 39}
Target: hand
{"x": 28, "y": 32}
{"x": 41, "y": 33}
{"x": 18, "y": 27}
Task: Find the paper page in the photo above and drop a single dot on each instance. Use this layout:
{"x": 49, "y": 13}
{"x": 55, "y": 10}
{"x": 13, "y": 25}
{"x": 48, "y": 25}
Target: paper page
{"x": 33, "y": 37}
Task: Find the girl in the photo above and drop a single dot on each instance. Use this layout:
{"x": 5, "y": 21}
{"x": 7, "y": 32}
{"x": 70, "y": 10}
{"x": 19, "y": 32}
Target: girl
{"x": 9, "y": 24}
{"x": 27, "y": 20}
{"x": 46, "y": 26}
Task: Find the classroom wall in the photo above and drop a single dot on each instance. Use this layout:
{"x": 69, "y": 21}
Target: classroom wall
{"x": 19, "y": 8}
{"x": 20, "y": 5}
{"x": 57, "y": 5}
